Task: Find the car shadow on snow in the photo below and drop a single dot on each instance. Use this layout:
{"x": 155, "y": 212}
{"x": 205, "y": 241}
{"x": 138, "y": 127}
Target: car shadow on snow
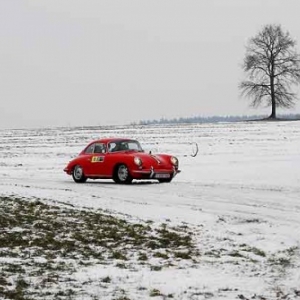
{"x": 134, "y": 183}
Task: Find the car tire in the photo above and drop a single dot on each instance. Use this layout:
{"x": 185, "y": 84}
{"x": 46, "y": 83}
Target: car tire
{"x": 78, "y": 174}
{"x": 122, "y": 174}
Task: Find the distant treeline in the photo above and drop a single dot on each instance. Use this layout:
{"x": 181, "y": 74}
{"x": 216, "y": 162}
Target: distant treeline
{"x": 215, "y": 119}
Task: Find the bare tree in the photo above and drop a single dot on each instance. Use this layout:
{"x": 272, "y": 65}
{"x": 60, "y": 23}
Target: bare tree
{"x": 272, "y": 66}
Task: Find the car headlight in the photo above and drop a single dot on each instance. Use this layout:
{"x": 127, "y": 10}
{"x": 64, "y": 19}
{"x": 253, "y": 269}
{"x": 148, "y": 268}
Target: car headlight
{"x": 138, "y": 161}
{"x": 174, "y": 161}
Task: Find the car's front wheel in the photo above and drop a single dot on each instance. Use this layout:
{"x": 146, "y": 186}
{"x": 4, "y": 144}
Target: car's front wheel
{"x": 122, "y": 175}
{"x": 78, "y": 174}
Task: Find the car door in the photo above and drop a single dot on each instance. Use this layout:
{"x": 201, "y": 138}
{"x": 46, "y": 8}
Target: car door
{"x": 96, "y": 164}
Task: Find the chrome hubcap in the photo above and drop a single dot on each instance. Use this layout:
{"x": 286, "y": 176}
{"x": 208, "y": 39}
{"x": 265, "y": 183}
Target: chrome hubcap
{"x": 122, "y": 173}
{"x": 78, "y": 172}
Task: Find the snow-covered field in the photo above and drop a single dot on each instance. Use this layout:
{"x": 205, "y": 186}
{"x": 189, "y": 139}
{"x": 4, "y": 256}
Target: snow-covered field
{"x": 240, "y": 195}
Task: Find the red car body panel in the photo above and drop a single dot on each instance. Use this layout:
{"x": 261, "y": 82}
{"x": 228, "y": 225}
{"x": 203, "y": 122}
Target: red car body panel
{"x": 103, "y": 165}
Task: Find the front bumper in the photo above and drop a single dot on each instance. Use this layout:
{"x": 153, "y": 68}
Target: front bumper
{"x": 154, "y": 174}
{"x": 68, "y": 171}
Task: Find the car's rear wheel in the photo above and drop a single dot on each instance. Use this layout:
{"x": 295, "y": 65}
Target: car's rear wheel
{"x": 78, "y": 174}
{"x": 122, "y": 174}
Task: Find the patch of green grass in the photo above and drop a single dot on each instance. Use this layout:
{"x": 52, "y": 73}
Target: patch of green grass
{"x": 170, "y": 239}
{"x": 18, "y": 292}
{"x": 161, "y": 255}
{"x": 292, "y": 251}
{"x": 155, "y": 293}
{"x": 155, "y": 268}
{"x": 118, "y": 255}
{"x": 66, "y": 293}
{"x": 252, "y": 220}
{"x": 235, "y": 253}
{"x": 183, "y": 254}
{"x": 47, "y": 241}
{"x": 106, "y": 279}
{"x": 283, "y": 258}
{"x": 280, "y": 261}
{"x": 254, "y": 250}
{"x": 121, "y": 266}
{"x": 213, "y": 253}
{"x": 85, "y": 233}
{"x": 142, "y": 256}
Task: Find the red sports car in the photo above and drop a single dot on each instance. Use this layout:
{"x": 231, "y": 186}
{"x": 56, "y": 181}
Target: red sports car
{"x": 121, "y": 160}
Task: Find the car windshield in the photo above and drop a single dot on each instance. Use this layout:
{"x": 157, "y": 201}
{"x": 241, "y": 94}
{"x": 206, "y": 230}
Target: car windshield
{"x": 124, "y": 145}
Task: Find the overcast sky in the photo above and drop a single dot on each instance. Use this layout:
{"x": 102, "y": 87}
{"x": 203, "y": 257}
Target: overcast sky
{"x": 78, "y": 62}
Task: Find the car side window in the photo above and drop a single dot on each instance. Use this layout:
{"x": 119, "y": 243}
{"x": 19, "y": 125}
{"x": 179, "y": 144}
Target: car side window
{"x": 90, "y": 149}
{"x": 118, "y": 146}
{"x": 99, "y": 148}
{"x": 112, "y": 147}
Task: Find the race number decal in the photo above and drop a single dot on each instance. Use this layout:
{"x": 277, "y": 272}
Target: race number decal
{"x": 97, "y": 159}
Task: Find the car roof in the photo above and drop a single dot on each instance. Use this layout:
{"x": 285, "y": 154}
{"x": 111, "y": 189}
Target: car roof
{"x": 108, "y": 140}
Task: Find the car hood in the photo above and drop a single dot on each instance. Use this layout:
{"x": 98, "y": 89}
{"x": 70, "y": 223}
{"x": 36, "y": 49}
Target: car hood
{"x": 156, "y": 159}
